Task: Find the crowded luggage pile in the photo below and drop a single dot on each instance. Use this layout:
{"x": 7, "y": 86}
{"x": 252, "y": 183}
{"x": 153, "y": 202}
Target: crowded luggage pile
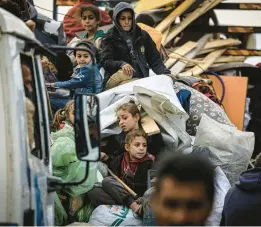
{"x": 153, "y": 102}
{"x": 154, "y": 108}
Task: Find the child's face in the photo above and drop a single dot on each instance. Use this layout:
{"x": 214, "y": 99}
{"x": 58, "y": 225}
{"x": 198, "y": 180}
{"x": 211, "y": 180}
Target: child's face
{"x": 125, "y": 21}
{"x": 89, "y": 21}
{"x": 137, "y": 147}
{"x": 127, "y": 122}
{"x": 83, "y": 57}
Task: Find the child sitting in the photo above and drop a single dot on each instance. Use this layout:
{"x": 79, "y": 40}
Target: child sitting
{"x": 83, "y": 78}
{"x": 132, "y": 168}
{"x": 129, "y": 119}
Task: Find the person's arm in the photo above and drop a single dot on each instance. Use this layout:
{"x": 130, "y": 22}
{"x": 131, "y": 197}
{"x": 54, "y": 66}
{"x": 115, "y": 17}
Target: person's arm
{"x": 78, "y": 81}
{"x": 107, "y": 57}
{"x": 153, "y": 57}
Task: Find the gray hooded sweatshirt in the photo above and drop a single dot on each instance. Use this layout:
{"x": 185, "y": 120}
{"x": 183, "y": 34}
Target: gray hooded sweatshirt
{"x": 122, "y": 6}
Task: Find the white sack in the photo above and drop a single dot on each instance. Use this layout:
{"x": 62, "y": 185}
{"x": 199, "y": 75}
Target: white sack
{"x": 229, "y": 148}
{"x": 114, "y": 215}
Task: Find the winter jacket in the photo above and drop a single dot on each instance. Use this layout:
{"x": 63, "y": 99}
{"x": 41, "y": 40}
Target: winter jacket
{"x": 115, "y": 52}
{"x": 115, "y": 145}
{"x": 83, "y": 80}
{"x": 140, "y": 178}
{"x": 242, "y": 205}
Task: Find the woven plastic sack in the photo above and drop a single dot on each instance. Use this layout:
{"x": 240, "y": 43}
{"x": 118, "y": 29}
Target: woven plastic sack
{"x": 228, "y": 147}
{"x": 114, "y": 215}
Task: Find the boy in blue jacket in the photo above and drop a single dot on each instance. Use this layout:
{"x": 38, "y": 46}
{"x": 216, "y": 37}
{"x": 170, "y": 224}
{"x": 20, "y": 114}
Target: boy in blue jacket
{"x": 83, "y": 78}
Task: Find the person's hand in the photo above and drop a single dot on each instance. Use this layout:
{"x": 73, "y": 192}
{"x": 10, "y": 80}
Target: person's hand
{"x": 153, "y": 180}
{"x": 31, "y": 24}
{"x": 104, "y": 156}
{"x": 127, "y": 69}
{"x": 73, "y": 74}
{"x": 49, "y": 85}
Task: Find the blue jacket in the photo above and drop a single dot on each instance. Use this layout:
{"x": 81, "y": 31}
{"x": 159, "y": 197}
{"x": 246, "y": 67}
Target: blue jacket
{"x": 243, "y": 202}
{"x": 83, "y": 80}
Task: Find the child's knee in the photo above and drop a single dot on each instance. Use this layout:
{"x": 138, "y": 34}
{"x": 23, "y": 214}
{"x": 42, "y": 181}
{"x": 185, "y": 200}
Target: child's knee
{"x": 107, "y": 182}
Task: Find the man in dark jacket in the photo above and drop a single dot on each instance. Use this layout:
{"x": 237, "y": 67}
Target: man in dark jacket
{"x": 242, "y": 205}
{"x": 128, "y": 48}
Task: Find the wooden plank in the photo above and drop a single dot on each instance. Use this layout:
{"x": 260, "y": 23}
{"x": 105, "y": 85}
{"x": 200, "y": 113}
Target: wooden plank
{"x": 165, "y": 35}
{"x": 145, "y": 5}
{"x": 149, "y": 125}
{"x": 175, "y": 13}
{"x": 160, "y": 10}
{"x": 207, "y": 5}
{"x": 243, "y": 52}
{"x": 222, "y": 59}
{"x": 224, "y": 29}
{"x": 185, "y": 59}
{"x": 231, "y": 65}
{"x": 235, "y": 97}
{"x": 215, "y": 44}
{"x": 209, "y": 60}
{"x": 220, "y": 43}
{"x": 180, "y": 66}
{"x": 227, "y": 59}
{"x": 188, "y": 46}
{"x": 242, "y": 6}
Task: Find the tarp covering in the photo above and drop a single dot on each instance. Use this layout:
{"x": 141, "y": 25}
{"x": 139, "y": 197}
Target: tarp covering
{"x": 158, "y": 98}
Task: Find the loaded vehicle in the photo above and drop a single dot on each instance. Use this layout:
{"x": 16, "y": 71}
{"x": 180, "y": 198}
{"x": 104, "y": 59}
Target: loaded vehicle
{"x": 27, "y": 182}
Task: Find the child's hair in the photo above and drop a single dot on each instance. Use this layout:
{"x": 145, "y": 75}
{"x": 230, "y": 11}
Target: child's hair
{"x": 133, "y": 134}
{"x": 92, "y": 9}
{"x": 130, "y": 107}
{"x": 62, "y": 115}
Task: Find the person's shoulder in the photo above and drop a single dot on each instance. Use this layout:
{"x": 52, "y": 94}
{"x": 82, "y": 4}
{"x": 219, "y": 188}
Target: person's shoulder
{"x": 117, "y": 159}
{"x": 230, "y": 194}
{"x": 110, "y": 34}
{"x": 141, "y": 31}
{"x": 100, "y": 33}
{"x": 79, "y": 70}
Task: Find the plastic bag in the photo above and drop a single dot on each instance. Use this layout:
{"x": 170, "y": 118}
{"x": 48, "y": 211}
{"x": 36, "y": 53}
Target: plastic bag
{"x": 229, "y": 148}
{"x": 112, "y": 215}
